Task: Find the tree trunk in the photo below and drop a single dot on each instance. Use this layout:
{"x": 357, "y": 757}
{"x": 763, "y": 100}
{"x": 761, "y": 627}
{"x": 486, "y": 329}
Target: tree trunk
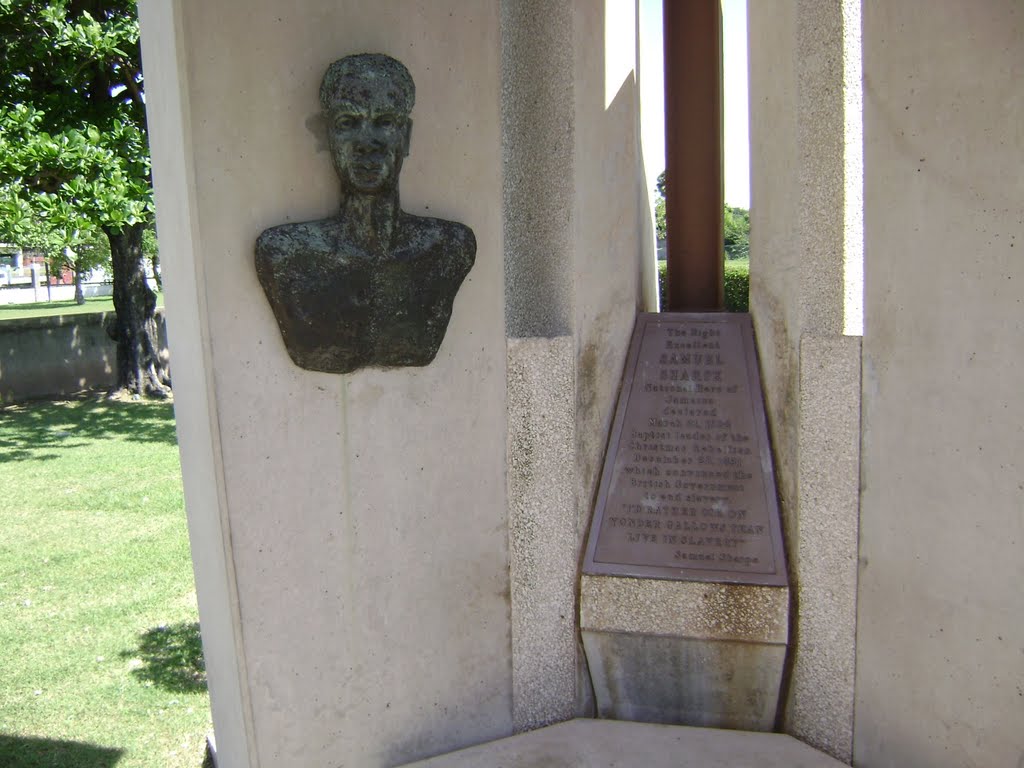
{"x": 79, "y": 296}
{"x": 140, "y": 368}
{"x": 155, "y": 261}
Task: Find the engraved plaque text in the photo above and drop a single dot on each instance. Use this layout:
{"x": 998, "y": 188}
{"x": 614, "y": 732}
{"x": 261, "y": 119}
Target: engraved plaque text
{"x": 687, "y": 490}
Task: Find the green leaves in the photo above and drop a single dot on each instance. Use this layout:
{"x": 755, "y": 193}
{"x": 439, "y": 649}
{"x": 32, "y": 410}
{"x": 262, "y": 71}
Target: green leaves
{"x": 80, "y": 172}
{"x": 660, "y": 223}
{"x": 737, "y": 233}
{"x": 73, "y": 148}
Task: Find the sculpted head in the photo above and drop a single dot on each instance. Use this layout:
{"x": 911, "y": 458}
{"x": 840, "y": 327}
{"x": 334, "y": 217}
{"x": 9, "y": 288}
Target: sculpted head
{"x": 366, "y": 100}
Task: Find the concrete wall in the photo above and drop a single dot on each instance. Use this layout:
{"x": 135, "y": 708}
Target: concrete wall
{"x": 58, "y": 355}
{"x": 373, "y": 584}
{"x": 940, "y": 675}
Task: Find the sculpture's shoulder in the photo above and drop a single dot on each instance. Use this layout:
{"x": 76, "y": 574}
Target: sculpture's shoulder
{"x": 293, "y": 239}
{"x": 454, "y": 242}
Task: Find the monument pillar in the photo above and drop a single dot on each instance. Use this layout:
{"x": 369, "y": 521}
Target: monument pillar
{"x": 805, "y": 300}
{"x": 373, "y": 584}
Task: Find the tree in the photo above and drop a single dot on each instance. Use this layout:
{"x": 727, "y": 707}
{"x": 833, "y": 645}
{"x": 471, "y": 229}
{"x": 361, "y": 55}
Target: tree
{"x": 81, "y": 255}
{"x": 77, "y": 250}
{"x": 74, "y": 153}
{"x": 659, "y": 208}
{"x": 737, "y": 232}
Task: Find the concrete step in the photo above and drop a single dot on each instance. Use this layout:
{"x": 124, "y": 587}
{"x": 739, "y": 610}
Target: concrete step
{"x": 618, "y": 744}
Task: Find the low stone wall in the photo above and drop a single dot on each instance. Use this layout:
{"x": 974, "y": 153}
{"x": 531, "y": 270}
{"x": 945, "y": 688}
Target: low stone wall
{"x": 58, "y": 355}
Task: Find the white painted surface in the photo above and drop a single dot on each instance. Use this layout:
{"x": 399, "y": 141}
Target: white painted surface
{"x": 940, "y": 671}
{"x": 56, "y": 293}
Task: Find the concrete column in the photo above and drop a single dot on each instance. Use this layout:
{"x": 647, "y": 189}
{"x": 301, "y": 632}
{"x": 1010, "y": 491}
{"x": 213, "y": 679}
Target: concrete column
{"x": 196, "y": 408}
{"x": 575, "y": 219}
{"x": 940, "y": 675}
{"x": 371, "y": 589}
{"x": 803, "y": 68}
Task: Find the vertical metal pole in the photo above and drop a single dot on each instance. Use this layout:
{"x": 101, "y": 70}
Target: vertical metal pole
{"x": 693, "y": 148}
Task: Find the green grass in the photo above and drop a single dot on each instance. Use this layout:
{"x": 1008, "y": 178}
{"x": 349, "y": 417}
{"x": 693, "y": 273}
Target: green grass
{"x": 101, "y": 663}
{"x": 45, "y": 309}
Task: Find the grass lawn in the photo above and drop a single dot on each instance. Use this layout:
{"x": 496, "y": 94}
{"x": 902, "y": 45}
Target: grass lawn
{"x": 68, "y": 307}
{"x": 101, "y": 663}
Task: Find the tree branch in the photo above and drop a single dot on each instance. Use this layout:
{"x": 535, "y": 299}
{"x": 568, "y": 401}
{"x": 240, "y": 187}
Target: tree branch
{"x": 48, "y": 181}
{"x": 129, "y": 81}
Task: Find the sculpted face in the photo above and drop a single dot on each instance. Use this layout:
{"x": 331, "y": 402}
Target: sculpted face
{"x": 368, "y": 130}
{"x": 369, "y": 285}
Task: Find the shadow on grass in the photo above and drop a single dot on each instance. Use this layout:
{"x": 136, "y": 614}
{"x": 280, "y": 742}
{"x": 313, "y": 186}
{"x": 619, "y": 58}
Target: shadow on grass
{"x": 172, "y": 658}
{"x": 28, "y": 752}
{"x": 27, "y": 430}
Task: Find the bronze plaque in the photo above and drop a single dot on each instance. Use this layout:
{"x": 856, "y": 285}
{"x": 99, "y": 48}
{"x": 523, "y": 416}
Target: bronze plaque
{"x": 687, "y": 490}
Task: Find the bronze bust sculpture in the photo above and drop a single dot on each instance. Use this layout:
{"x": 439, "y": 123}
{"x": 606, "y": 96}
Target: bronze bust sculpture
{"x": 372, "y": 285}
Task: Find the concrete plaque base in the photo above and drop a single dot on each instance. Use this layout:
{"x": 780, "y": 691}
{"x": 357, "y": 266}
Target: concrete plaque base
{"x": 685, "y": 653}
{"x": 675, "y": 680}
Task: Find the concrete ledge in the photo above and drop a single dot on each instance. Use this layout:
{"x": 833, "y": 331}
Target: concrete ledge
{"x": 682, "y": 681}
{"x": 695, "y": 609}
{"x": 613, "y": 744}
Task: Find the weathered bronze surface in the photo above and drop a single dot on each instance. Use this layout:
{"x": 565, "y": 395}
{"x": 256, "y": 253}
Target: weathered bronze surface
{"x": 687, "y": 490}
{"x": 373, "y": 285}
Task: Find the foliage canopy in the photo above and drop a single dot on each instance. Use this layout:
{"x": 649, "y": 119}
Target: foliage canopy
{"x": 73, "y": 150}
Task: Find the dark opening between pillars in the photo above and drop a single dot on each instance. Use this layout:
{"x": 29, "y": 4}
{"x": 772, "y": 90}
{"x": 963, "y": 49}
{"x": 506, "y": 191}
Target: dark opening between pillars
{"x": 693, "y": 153}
